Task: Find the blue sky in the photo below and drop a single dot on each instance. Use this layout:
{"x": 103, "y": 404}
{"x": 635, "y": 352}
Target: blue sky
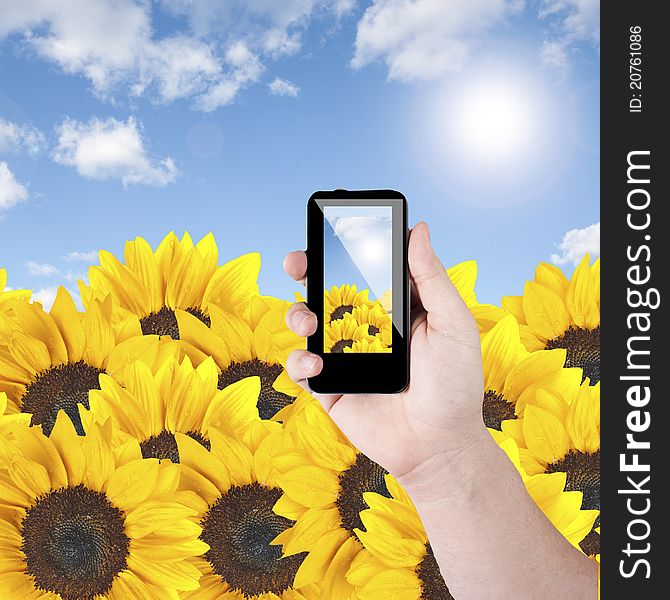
{"x": 128, "y": 118}
{"x": 358, "y": 248}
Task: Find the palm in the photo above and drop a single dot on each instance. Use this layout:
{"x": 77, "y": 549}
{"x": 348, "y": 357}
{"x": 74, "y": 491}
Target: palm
{"x": 400, "y": 431}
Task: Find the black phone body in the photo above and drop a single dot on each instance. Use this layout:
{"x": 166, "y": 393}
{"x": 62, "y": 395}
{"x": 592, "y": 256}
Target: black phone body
{"x": 358, "y": 286}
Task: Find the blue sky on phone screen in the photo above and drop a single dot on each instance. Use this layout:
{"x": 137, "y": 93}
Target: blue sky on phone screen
{"x": 358, "y": 248}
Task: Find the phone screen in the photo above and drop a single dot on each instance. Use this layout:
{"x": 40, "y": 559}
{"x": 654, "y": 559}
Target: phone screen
{"x": 358, "y": 286}
{"x": 358, "y": 278}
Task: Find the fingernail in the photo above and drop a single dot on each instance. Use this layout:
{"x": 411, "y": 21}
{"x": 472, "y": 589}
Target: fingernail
{"x": 302, "y": 324}
{"x": 308, "y": 363}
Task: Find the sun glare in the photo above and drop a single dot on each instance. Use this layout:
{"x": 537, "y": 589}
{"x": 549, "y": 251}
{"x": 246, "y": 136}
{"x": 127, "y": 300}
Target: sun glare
{"x": 494, "y": 121}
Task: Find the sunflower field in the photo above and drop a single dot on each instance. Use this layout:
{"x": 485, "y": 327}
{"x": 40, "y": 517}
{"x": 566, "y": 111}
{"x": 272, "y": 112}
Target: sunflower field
{"x": 152, "y": 446}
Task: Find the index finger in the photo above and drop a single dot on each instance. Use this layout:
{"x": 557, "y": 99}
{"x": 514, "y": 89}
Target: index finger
{"x": 295, "y": 265}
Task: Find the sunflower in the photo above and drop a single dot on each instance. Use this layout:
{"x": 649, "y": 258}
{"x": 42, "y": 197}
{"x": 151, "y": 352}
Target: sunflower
{"x": 234, "y": 488}
{"x": 253, "y": 342}
{"x": 79, "y": 520}
{"x": 398, "y": 561}
{"x": 562, "y": 435}
{"x": 324, "y": 479}
{"x": 339, "y": 301}
{"x": 6, "y": 294}
{"x": 50, "y": 361}
{"x": 563, "y": 508}
{"x": 557, "y": 313}
{"x": 512, "y": 375}
{"x": 343, "y": 333}
{"x": 152, "y": 408}
{"x": 178, "y": 275}
{"x": 378, "y": 321}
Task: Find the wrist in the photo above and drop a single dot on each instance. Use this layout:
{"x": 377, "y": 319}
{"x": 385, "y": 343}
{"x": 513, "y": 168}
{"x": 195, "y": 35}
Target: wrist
{"x": 448, "y": 475}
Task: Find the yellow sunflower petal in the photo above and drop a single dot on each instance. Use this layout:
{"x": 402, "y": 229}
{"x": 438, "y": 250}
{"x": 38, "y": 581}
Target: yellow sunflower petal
{"x": 552, "y": 277}
{"x": 195, "y": 333}
{"x": 312, "y": 486}
{"x": 313, "y": 568}
{"x": 141, "y": 260}
{"x": 464, "y": 278}
{"x": 132, "y": 483}
{"x": 29, "y": 476}
{"x": 236, "y": 404}
{"x": 545, "y": 311}
{"x": 65, "y": 315}
{"x": 30, "y": 353}
{"x": 69, "y": 445}
{"x": 99, "y": 335}
{"x": 583, "y": 421}
{"x": 581, "y": 298}
{"x": 392, "y": 551}
{"x": 194, "y": 455}
{"x": 501, "y": 350}
{"x": 545, "y": 435}
{"x": 307, "y": 531}
{"x": 399, "y": 584}
{"x": 235, "y": 455}
{"x": 178, "y": 575}
{"x": 234, "y": 282}
{"x": 335, "y": 583}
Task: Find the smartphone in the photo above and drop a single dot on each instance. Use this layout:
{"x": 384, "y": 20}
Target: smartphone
{"x": 358, "y": 286}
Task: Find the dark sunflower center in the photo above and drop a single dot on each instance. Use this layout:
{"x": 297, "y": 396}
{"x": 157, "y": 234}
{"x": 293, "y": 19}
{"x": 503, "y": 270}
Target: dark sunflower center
{"x": 590, "y": 545}
{"x": 340, "y": 311}
{"x": 372, "y": 330}
{"x": 583, "y": 475}
{"x": 363, "y": 476}
{"x": 433, "y": 586}
{"x": 341, "y": 345}
{"x": 583, "y": 350}
{"x": 164, "y": 445}
{"x": 61, "y": 387}
{"x": 496, "y": 410}
{"x": 270, "y": 401}
{"x": 74, "y": 543}
{"x": 164, "y": 322}
{"x": 239, "y": 527}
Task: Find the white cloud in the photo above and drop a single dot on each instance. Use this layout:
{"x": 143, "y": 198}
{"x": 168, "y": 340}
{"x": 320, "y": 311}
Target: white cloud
{"x": 246, "y": 68}
{"x": 576, "y": 243}
{"x": 357, "y": 228}
{"x": 113, "y": 43}
{"x": 425, "y": 39}
{"x": 20, "y": 138}
{"x": 86, "y": 257}
{"x": 111, "y": 149}
{"x": 282, "y": 87}
{"x": 257, "y": 19}
{"x": 578, "y": 19}
{"x": 11, "y": 191}
{"x": 554, "y": 54}
{"x": 46, "y": 296}
{"x": 573, "y": 21}
{"x": 41, "y": 269}
{"x": 74, "y": 276}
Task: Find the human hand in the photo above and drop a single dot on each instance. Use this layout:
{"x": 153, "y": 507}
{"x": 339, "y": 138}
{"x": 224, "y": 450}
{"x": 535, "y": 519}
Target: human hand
{"x": 440, "y": 413}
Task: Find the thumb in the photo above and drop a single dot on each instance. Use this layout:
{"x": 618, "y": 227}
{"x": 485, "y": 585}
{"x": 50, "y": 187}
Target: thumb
{"x": 437, "y": 293}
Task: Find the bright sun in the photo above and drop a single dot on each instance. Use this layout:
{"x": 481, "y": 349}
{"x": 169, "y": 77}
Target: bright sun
{"x": 492, "y": 120}
{"x": 373, "y": 251}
